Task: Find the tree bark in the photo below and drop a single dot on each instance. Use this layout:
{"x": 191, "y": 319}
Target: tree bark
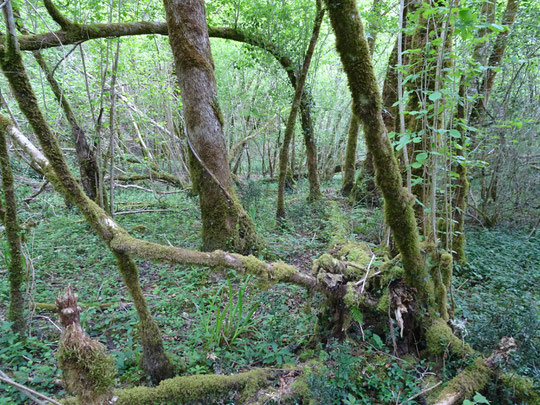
{"x": 349, "y": 165}
{"x": 225, "y": 223}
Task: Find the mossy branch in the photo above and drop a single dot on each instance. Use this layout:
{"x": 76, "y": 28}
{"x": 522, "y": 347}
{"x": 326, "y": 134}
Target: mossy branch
{"x": 475, "y": 376}
{"x": 64, "y": 22}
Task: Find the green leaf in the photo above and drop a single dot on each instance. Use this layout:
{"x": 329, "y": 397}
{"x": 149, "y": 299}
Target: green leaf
{"x": 480, "y": 399}
{"x": 377, "y": 342}
{"x": 454, "y": 133}
{"x": 421, "y": 157}
{"x": 496, "y": 27}
{"x": 435, "y": 95}
{"x": 466, "y": 15}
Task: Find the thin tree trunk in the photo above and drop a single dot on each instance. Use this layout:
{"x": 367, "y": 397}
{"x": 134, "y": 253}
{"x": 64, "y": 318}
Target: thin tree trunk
{"x": 349, "y": 166}
{"x": 85, "y": 156}
{"x": 289, "y": 130}
{"x": 311, "y": 147}
{"x": 8, "y": 216}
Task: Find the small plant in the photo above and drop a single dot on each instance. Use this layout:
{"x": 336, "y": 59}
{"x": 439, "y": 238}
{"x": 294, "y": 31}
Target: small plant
{"x": 477, "y": 399}
{"x": 224, "y": 317}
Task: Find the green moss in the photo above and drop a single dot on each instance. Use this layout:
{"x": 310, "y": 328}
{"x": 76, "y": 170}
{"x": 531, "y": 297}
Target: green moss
{"x": 351, "y": 297}
{"x": 473, "y": 378}
{"x": 283, "y": 271}
{"x": 446, "y": 268}
{"x": 87, "y": 369}
{"x": 391, "y": 273}
{"x": 300, "y": 389}
{"x": 359, "y": 254}
{"x": 277, "y": 272}
{"x": 522, "y": 388}
{"x": 439, "y": 338}
{"x": 324, "y": 263}
{"x": 194, "y": 389}
{"x": 384, "y": 302}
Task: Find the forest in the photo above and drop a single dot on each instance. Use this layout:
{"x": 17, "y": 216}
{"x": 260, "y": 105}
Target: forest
{"x": 269, "y": 202}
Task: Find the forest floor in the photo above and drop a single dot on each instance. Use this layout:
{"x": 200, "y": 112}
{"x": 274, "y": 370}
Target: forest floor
{"x": 496, "y": 294}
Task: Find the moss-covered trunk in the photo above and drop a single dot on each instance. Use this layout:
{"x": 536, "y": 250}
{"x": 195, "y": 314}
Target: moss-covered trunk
{"x": 156, "y": 364}
{"x": 225, "y": 223}
{"x": 291, "y": 122}
{"x": 349, "y": 166}
{"x": 353, "y": 49}
{"x": 311, "y": 147}
{"x": 8, "y": 214}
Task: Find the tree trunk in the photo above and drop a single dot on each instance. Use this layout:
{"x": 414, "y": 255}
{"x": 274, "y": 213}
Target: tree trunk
{"x": 289, "y": 130}
{"x": 353, "y": 49}
{"x": 349, "y": 165}
{"x": 225, "y": 223}
{"x": 8, "y": 216}
{"x": 85, "y": 156}
{"x": 311, "y": 147}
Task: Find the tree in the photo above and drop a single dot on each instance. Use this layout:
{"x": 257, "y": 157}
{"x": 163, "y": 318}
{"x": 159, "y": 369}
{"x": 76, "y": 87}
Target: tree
{"x": 8, "y": 217}
{"x": 225, "y": 223}
{"x": 291, "y": 122}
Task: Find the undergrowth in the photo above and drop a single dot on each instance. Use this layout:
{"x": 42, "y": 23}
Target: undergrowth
{"x": 496, "y": 296}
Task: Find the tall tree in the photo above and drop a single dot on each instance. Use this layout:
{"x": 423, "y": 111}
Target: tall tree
{"x": 291, "y": 122}
{"x": 225, "y": 223}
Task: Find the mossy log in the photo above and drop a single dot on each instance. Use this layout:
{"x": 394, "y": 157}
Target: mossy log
{"x": 152, "y": 176}
{"x": 197, "y": 389}
{"x": 475, "y": 376}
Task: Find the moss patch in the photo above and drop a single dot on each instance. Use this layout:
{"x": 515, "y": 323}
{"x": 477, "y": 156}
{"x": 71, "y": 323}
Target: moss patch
{"x": 439, "y": 338}
{"x": 195, "y": 389}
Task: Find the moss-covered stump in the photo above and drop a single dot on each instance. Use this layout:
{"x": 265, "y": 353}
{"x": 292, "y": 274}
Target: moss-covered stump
{"x": 87, "y": 370}
{"x": 203, "y": 389}
{"x": 358, "y": 279}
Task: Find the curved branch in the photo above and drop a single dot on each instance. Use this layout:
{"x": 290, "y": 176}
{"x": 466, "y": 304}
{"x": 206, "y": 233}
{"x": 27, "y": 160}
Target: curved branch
{"x": 64, "y": 22}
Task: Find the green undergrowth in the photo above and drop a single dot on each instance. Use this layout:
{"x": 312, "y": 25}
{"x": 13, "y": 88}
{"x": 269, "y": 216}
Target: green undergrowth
{"x": 280, "y": 320}
{"x": 497, "y": 296}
